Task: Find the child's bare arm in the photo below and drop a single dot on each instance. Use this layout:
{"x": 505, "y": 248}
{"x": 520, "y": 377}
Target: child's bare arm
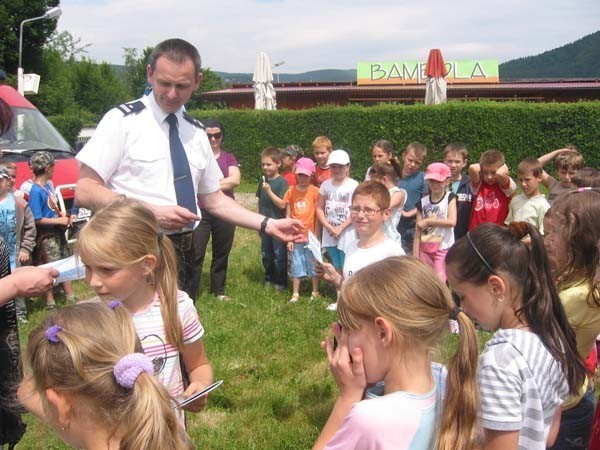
{"x": 449, "y": 221}
{"x": 474, "y": 175}
{"x": 547, "y": 179}
{"x": 417, "y": 237}
{"x": 503, "y": 177}
{"x": 321, "y": 214}
{"x": 199, "y": 370}
{"x": 273, "y": 196}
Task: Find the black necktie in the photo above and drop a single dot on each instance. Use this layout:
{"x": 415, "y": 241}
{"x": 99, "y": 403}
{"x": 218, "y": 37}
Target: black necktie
{"x": 182, "y": 177}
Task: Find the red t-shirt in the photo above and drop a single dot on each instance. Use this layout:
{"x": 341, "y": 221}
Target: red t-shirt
{"x": 321, "y": 175}
{"x": 290, "y": 177}
{"x": 490, "y": 205}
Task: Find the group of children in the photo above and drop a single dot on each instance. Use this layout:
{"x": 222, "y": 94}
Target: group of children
{"x": 541, "y": 295}
{"x": 31, "y": 222}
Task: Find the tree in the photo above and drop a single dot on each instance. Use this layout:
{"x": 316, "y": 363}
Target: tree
{"x": 67, "y": 46}
{"x": 35, "y": 34}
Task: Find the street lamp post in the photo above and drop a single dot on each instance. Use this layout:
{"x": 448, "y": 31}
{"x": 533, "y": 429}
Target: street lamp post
{"x": 52, "y": 13}
{"x": 280, "y": 63}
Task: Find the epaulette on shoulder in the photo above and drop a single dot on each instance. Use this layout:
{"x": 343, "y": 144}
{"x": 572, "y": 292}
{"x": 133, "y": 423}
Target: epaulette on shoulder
{"x": 131, "y": 107}
{"x": 193, "y": 121}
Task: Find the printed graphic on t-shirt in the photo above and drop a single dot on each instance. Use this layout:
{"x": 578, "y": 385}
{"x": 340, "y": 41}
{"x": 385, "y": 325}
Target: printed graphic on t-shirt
{"x": 336, "y": 207}
{"x": 487, "y": 201}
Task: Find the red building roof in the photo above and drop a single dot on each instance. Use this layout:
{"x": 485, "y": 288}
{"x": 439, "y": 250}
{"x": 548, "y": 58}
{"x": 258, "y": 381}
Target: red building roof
{"x": 307, "y": 95}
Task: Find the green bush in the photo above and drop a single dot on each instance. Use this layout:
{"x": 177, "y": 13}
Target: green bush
{"x": 67, "y": 125}
{"x": 518, "y": 129}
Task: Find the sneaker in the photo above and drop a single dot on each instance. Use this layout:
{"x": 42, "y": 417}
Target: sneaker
{"x": 51, "y": 307}
{"x": 332, "y": 307}
{"x": 295, "y": 297}
{"x": 71, "y": 299}
{"x": 223, "y": 298}
{"x": 314, "y": 296}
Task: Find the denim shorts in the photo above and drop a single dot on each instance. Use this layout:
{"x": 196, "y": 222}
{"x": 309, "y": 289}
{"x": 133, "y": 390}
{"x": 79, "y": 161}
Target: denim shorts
{"x": 302, "y": 262}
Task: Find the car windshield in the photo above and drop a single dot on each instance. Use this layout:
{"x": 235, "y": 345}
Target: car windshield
{"x": 31, "y": 132}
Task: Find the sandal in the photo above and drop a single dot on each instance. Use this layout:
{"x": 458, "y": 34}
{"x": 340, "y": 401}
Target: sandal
{"x": 314, "y": 296}
{"x": 295, "y": 297}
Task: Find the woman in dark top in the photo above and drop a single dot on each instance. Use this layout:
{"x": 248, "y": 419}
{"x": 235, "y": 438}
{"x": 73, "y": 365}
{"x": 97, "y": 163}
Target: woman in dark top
{"x": 222, "y": 232}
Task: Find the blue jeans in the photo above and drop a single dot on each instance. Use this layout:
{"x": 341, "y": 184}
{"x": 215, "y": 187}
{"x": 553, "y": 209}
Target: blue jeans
{"x": 576, "y": 425}
{"x": 406, "y": 228}
{"x": 274, "y": 259}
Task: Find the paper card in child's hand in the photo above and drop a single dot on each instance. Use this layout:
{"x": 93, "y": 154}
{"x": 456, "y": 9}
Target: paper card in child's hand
{"x": 314, "y": 245}
{"x": 199, "y": 394}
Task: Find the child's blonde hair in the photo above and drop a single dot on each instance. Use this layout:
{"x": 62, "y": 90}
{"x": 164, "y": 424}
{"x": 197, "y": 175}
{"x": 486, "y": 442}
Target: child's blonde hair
{"x": 409, "y": 295}
{"x": 79, "y": 362}
{"x": 322, "y": 141}
{"x": 418, "y": 149}
{"x": 492, "y": 158}
{"x": 566, "y": 160}
{"x": 121, "y": 234}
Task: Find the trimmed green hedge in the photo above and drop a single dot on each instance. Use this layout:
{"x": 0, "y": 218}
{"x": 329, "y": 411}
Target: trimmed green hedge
{"x": 68, "y": 126}
{"x": 516, "y": 128}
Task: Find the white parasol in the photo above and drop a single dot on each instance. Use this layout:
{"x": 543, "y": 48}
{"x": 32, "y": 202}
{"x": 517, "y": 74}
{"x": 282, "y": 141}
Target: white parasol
{"x": 264, "y": 93}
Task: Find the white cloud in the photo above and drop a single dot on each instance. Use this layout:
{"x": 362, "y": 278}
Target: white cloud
{"x": 312, "y": 35}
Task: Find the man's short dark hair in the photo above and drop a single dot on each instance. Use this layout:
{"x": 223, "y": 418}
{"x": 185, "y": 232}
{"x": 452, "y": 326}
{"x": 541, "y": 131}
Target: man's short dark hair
{"x": 176, "y": 50}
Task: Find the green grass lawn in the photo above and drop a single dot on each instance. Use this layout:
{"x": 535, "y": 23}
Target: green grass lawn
{"x": 277, "y": 391}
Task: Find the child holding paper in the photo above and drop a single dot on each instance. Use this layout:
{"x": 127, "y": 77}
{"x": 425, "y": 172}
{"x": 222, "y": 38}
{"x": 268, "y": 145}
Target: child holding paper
{"x": 301, "y": 203}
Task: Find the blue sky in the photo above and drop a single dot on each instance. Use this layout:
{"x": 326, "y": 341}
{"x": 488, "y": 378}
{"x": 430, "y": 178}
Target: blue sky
{"x": 336, "y": 34}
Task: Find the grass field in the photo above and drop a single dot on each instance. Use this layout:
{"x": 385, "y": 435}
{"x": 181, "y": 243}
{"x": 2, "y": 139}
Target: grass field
{"x": 277, "y": 391}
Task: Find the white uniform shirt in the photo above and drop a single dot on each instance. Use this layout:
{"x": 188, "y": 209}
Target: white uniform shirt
{"x": 131, "y": 154}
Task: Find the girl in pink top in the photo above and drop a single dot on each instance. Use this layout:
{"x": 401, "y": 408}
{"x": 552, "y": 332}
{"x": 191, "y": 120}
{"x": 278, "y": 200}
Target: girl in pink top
{"x": 392, "y": 316}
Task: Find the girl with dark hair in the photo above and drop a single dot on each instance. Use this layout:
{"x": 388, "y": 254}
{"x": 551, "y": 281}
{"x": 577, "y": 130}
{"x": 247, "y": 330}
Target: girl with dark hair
{"x": 382, "y": 151}
{"x": 222, "y": 232}
{"x": 531, "y": 363}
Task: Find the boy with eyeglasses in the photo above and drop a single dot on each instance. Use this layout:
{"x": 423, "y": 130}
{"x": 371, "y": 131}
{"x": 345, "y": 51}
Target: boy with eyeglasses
{"x": 369, "y": 210}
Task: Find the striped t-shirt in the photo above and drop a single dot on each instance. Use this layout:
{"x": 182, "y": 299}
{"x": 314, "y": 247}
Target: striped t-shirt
{"x": 521, "y": 386}
{"x": 165, "y": 357}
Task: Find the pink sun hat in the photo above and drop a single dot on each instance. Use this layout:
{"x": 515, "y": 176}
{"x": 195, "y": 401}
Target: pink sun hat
{"x": 305, "y": 166}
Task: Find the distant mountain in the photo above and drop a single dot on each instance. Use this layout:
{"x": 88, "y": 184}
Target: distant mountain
{"x": 315, "y": 75}
{"x": 580, "y": 59}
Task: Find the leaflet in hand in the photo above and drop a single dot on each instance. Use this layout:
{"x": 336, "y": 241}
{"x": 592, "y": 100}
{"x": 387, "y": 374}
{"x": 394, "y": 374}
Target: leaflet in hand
{"x": 69, "y": 269}
{"x": 201, "y": 393}
{"x": 314, "y": 245}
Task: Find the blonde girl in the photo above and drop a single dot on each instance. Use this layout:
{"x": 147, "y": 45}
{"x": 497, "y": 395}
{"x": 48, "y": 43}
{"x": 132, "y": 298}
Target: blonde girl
{"x": 572, "y": 244}
{"x": 128, "y": 260}
{"x": 393, "y": 317}
{"x": 386, "y": 174}
{"x": 531, "y": 363}
{"x": 91, "y": 384}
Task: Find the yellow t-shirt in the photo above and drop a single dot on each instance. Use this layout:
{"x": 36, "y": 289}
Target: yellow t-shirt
{"x": 584, "y": 317}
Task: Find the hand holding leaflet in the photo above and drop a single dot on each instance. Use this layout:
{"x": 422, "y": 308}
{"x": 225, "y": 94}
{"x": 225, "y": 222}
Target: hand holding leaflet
{"x": 69, "y": 268}
{"x": 205, "y": 391}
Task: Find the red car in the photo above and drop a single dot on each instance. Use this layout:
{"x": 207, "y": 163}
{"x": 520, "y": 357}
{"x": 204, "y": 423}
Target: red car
{"x": 32, "y": 132}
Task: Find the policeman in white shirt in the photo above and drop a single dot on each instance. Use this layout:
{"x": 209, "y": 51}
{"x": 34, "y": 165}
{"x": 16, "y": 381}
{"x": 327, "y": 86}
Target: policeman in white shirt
{"x": 151, "y": 150}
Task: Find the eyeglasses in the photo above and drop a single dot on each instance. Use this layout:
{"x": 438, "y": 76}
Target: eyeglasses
{"x": 216, "y": 136}
{"x": 369, "y": 212}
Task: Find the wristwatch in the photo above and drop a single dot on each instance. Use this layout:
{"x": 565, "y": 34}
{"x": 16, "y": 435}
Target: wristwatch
{"x": 263, "y": 225}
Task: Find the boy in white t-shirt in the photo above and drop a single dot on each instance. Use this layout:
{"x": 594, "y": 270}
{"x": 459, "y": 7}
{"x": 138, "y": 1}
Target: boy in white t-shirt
{"x": 368, "y": 213}
{"x": 530, "y": 205}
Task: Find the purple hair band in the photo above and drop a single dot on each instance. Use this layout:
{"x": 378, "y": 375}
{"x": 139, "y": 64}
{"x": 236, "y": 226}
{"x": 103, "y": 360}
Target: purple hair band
{"x": 114, "y": 303}
{"x": 52, "y": 333}
{"x": 130, "y": 367}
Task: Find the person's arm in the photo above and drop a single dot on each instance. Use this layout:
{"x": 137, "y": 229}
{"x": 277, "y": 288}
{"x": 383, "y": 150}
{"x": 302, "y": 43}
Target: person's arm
{"x": 321, "y": 215}
{"x": 327, "y": 272}
{"x": 501, "y": 440}
{"x": 200, "y": 373}
{"x": 228, "y": 209}
{"x": 341, "y": 227}
{"x": 273, "y": 196}
{"x": 547, "y": 179}
{"x": 346, "y": 365}
{"x": 28, "y": 234}
{"x": 92, "y": 193}
{"x": 64, "y": 221}
{"x": 474, "y": 175}
{"x": 29, "y": 281}
{"x": 232, "y": 180}
{"x": 417, "y": 237}
{"x": 449, "y": 221}
{"x": 503, "y": 177}
{"x": 554, "y": 428}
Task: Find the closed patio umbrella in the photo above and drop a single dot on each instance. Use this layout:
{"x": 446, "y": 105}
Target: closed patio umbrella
{"x": 435, "y": 90}
{"x": 264, "y": 93}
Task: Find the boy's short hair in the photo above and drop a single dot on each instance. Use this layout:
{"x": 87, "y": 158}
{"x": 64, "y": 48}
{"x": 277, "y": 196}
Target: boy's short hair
{"x": 492, "y": 158}
{"x": 39, "y": 161}
{"x": 530, "y": 164}
{"x": 586, "y": 177}
{"x": 294, "y": 151}
{"x": 376, "y": 190}
{"x": 322, "y": 141}
{"x": 572, "y": 160}
{"x": 418, "y": 148}
{"x": 456, "y": 147}
{"x": 8, "y": 164}
{"x": 271, "y": 152}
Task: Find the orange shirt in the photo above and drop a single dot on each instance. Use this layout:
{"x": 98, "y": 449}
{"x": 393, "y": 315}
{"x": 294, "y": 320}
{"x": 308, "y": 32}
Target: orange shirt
{"x": 321, "y": 175}
{"x": 303, "y": 206}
